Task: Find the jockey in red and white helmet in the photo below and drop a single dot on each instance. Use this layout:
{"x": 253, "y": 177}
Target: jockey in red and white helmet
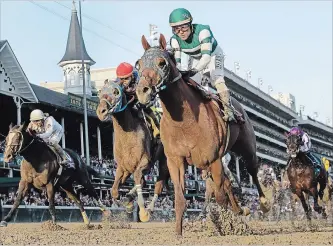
{"x": 127, "y": 77}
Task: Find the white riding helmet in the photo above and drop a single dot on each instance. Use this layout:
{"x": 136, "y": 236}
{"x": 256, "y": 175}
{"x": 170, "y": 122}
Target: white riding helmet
{"x": 36, "y": 114}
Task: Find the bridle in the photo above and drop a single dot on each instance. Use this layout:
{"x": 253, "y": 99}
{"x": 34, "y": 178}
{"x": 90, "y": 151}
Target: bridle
{"x": 148, "y": 61}
{"x": 118, "y": 106}
{"x": 293, "y": 155}
{"x": 20, "y": 144}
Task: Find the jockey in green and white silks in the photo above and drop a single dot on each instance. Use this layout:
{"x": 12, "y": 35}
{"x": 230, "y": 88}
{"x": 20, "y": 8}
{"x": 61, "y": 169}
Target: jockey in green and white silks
{"x": 198, "y": 42}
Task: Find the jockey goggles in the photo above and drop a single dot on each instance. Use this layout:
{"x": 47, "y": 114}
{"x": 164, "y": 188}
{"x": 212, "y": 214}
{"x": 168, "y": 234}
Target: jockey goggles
{"x": 183, "y": 28}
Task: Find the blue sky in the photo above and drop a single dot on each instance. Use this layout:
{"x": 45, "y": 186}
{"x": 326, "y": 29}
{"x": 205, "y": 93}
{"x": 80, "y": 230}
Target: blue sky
{"x": 287, "y": 43}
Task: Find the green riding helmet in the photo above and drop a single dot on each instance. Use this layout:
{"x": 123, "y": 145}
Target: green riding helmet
{"x": 179, "y": 17}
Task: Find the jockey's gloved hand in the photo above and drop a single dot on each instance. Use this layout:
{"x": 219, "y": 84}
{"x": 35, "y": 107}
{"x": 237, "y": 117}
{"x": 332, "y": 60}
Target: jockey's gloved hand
{"x": 189, "y": 73}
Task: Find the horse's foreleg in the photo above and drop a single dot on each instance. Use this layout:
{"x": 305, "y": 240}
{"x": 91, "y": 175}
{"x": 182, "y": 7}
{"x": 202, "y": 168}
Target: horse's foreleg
{"x": 115, "y": 186}
{"x": 177, "y": 173}
{"x": 74, "y": 197}
{"x": 138, "y": 176}
{"x": 163, "y": 177}
{"x": 316, "y": 206}
{"x": 21, "y": 193}
{"x": 306, "y": 208}
{"x": 50, "y": 196}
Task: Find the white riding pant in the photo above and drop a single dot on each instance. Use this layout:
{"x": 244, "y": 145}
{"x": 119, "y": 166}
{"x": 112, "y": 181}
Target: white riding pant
{"x": 214, "y": 71}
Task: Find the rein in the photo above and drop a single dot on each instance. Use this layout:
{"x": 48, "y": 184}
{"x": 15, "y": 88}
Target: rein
{"x": 118, "y": 106}
{"x": 20, "y": 150}
{"x": 148, "y": 61}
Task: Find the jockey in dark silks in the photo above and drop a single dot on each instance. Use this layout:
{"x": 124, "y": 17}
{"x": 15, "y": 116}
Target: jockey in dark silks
{"x": 306, "y": 146}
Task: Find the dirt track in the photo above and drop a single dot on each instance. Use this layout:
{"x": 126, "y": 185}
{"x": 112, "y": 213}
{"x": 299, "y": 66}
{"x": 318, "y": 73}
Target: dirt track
{"x": 162, "y": 233}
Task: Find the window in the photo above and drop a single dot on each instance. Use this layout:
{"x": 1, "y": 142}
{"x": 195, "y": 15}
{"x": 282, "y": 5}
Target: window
{"x": 72, "y": 77}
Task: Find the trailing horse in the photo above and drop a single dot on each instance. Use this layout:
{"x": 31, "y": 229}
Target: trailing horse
{"x": 40, "y": 169}
{"x": 192, "y": 127}
{"x": 135, "y": 151}
{"x": 303, "y": 177}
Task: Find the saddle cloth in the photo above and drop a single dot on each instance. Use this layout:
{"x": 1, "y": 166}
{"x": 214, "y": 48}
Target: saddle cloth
{"x": 316, "y": 162}
{"x": 214, "y": 98}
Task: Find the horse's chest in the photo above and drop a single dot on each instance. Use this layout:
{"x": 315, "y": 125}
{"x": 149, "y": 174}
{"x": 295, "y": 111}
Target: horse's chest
{"x": 130, "y": 149}
{"x": 38, "y": 180}
{"x": 201, "y": 146}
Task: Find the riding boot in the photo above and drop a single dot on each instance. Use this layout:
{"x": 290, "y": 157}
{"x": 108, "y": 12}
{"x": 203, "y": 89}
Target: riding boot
{"x": 226, "y": 101}
{"x": 61, "y": 152}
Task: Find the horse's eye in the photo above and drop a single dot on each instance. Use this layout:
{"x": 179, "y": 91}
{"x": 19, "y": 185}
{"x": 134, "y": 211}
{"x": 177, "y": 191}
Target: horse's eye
{"x": 161, "y": 62}
{"x": 116, "y": 92}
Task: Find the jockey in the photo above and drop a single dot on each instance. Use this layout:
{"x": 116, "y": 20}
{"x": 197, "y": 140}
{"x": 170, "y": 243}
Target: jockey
{"x": 306, "y": 144}
{"x": 128, "y": 78}
{"x": 48, "y": 129}
{"x": 198, "y": 42}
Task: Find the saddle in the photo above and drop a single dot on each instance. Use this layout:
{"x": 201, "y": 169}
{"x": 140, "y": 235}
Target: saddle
{"x": 208, "y": 96}
{"x": 316, "y": 162}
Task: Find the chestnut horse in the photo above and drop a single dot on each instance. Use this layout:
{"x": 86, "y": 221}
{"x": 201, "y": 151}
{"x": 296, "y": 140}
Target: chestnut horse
{"x": 302, "y": 177}
{"x": 192, "y": 127}
{"x": 134, "y": 148}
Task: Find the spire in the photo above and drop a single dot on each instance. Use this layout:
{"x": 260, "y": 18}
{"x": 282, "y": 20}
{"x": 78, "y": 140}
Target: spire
{"x": 75, "y": 42}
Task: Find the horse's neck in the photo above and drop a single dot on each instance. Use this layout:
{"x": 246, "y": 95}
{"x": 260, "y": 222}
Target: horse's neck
{"x": 35, "y": 153}
{"x": 123, "y": 121}
{"x": 300, "y": 160}
{"x": 178, "y": 100}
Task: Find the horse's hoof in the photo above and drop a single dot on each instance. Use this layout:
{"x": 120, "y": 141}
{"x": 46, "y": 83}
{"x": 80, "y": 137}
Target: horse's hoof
{"x": 144, "y": 215}
{"x": 128, "y": 201}
{"x": 246, "y": 211}
{"x": 3, "y": 224}
{"x": 129, "y": 209}
{"x": 129, "y": 206}
{"x": 264, "y": 205}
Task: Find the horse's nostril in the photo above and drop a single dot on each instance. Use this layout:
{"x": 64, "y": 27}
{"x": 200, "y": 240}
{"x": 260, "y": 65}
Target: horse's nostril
{"x": 145, "y": 90}
{"x": 103, "y": 111}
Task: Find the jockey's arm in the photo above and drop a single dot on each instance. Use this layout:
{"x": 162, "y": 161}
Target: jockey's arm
{"x": 306, "y": 141}
{"x": 205, "y": 39}
{"x": 49, "y": 128}
{"x": 177, "y": 52}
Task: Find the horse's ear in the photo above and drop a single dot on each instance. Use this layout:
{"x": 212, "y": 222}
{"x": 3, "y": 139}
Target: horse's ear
{"x": 10, "y": 126}
{"x": 163, "y": 43}
{"x": 23, "y": 127}
{"x": 145, "y": 43}
{"x": 285, "y": 134}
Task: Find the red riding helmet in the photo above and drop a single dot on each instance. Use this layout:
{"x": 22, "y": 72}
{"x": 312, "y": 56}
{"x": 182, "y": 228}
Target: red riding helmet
{"x": 124, "y": 70}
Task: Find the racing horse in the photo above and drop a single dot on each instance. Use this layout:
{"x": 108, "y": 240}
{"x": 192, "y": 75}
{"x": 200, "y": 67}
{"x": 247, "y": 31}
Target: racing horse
{"x": 192, "y": 127}
{"x": 302, "y": 175}
{"x": 135, "y": 150}
{"x": 40, "y": 168}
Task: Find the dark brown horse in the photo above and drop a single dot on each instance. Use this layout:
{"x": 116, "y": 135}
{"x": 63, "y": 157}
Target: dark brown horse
{"x": 39, "y": 169}
{"x": 135, "y": 150}
{"x": 192, "y": 127}
{"x": 302, "y": 176}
